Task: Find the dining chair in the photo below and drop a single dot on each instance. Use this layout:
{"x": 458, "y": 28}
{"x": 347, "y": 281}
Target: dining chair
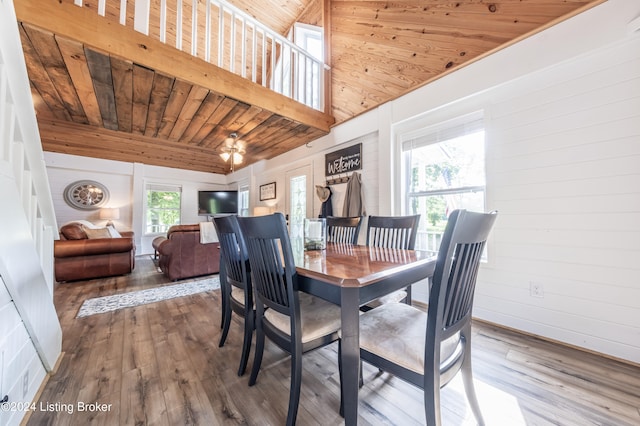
{"x": 235, "y": 282}
{"x": 397, "y": 232}
{"x": 297, "y": 322}
{"x": 428, "y": 349}
{"x": 343, "y": 229}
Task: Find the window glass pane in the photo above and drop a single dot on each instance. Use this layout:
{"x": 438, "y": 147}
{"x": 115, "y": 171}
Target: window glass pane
{"x": 298, "y": 206}
{"x": 445, "y": 171}
{"x": 163, "y": 209}
{"x": 454, "y": 163}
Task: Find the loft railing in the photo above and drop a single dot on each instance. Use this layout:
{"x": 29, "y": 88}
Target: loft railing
{"x": 224, "y": 35}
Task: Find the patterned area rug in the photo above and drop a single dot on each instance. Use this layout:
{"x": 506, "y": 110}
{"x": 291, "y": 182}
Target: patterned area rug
{"x": 100, "y": 305}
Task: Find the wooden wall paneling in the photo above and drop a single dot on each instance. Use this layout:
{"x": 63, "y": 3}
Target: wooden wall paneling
{"x": 142, "y": 85}
{"x": 40, "y": 79}
{"x": 100, "y": 69}
{"x": 162, "y": 85}
{"x": 76, "y": 62}
{"x": 122, "y": 74}
{"x": 225, "y": 107}
{"x": 194, "y": 101}
{"x": 45, "y": 44}
{"x": 207, "y": 108}
{"x": 177, "y": 98}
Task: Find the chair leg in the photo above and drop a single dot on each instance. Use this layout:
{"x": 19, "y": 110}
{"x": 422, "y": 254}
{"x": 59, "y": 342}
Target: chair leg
{"x": 432, "y": 400}
{"x": 246, "y": 344}
{"x": 467, "y": 379}
{"x": 296, "y": 381}
{"x": 407, "y": 299}
{"x": 257, "y": 357}
{"x": 226, "y": 319}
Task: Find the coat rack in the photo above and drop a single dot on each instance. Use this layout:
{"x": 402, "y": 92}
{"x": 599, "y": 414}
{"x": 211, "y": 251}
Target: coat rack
{"x": 342, "y": 178}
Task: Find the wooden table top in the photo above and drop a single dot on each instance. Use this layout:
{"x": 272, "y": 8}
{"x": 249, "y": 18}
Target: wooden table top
{"x": 346, "y": 265}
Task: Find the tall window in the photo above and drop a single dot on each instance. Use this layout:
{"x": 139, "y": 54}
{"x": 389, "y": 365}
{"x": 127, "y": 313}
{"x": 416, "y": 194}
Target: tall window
{"x": 309, "y": 38}
{"x": 163, "y": 207}
{"x": 444, "y": 170}
{"x": 243, "y": 200}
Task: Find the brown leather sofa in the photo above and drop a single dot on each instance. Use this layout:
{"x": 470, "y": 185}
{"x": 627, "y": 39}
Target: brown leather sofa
{"x": 181, "y": 255}
{"x": 78, "y": 257}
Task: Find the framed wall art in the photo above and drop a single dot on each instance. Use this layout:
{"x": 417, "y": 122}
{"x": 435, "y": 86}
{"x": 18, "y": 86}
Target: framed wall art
{"x": 268, "y": 191}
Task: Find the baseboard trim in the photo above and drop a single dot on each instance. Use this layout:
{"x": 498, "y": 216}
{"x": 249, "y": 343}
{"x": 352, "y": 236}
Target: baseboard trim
{"x": 38, "y": 394}
{"x": 424, "y": 306}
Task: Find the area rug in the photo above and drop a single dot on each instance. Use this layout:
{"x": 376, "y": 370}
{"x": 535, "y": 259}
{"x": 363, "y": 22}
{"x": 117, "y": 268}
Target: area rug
{"x": 100, "y": 305}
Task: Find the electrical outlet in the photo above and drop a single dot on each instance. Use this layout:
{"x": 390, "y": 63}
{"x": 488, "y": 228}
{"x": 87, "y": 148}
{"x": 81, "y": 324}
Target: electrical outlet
{"x": 536, "y": 289}
{"x": 25, "y": 384}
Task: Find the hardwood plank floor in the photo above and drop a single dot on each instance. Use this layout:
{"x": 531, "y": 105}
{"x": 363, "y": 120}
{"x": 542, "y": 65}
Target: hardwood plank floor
{"x": 160, "y": 364}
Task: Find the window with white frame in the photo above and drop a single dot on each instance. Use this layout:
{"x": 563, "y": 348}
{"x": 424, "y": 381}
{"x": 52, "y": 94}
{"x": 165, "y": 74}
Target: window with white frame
{"x": 243, "y": 200}
{"x": 309, "y": 38}
{"x": 163, "y": 207}
{"x": 444, "y": 169}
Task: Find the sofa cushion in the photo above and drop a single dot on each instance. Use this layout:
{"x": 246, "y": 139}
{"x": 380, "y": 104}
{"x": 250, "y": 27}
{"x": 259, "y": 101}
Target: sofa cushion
{"x": 114, "y": 233}
{"x": 93, "y": 234}
{"x": 73, "y": 231}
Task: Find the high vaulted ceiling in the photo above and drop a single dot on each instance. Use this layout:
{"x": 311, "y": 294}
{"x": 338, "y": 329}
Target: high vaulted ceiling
{"x": 103, "y": 90}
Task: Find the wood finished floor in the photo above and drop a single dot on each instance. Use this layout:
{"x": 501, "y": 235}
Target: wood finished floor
{"x": 160, "y": 364}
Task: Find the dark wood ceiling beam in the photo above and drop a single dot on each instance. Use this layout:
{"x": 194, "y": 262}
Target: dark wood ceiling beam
{"x": 96, "y": 31}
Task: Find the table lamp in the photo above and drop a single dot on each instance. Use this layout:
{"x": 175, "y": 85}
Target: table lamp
{"x": 111, "y": 214}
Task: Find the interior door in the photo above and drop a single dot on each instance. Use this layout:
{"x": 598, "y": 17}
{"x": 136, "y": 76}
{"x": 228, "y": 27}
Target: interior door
{"x": 298, "y": 201}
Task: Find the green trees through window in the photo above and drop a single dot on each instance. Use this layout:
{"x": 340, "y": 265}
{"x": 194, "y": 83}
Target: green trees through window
{"x": 163, "y": 209}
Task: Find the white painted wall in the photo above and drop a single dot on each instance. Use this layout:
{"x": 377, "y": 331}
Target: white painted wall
{"x": 126, "y": 184}
{"x": 562, "y": 115}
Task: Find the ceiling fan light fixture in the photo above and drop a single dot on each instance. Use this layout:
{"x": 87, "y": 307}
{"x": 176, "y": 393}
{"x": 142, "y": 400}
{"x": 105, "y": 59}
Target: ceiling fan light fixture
{"x": 225, "y": 156}
{"x": 233, "y": 150}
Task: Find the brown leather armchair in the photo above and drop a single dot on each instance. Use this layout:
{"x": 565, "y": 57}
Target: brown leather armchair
{"x": 78, "y": 257}
{"x": 181, "y": 255}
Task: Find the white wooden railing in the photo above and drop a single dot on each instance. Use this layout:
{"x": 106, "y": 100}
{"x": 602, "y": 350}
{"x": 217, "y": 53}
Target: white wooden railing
{"x": 429, "y": 241}
{"x": 224, "y": 35}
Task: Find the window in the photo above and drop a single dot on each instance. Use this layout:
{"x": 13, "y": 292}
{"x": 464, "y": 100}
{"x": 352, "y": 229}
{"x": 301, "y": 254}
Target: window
{"x": 243, "y": 200}
{"x": 310, "y": 39}
{"x": 444, "y": 170}
{"x": 163, "y": 207}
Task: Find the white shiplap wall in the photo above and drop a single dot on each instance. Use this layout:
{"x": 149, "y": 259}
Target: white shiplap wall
{"x": 564, "y": 164}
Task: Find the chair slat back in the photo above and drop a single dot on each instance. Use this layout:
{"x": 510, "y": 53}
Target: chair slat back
{"x": 233, "y": 252}
{"x": 271, "y": 259}
{"x": 454, "y": 280}
{"x": 393, "y": 231}
{"x": 343, "y": 230}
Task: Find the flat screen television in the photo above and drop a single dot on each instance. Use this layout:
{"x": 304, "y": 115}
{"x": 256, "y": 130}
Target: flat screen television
{"x": 217, "y": 202}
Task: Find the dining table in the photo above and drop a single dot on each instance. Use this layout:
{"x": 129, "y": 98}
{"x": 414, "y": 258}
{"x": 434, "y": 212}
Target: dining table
{"x": 351, "y": 276}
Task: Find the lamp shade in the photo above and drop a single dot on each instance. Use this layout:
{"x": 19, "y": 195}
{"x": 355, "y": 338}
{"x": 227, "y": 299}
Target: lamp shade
{"x": 110, "y": 213}
{"x": 261, "y": 211}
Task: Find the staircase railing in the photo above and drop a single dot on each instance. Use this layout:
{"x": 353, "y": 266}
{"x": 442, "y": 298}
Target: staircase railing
{"x": 224, "y": 35}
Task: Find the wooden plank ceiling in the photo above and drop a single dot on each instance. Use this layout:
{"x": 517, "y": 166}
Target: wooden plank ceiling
{"x": 98, "y": 97}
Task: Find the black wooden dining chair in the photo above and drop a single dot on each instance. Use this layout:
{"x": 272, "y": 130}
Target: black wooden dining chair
{"x": 343, "y": 230}
{"x": 297, "y": 322}
{"x": 235, "y": 282}
{"x": 429, "y": 349}
{"x": 397, "y": 232}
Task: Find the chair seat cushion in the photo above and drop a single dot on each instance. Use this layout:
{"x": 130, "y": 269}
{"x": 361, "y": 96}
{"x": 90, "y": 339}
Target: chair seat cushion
{"x": 397, "y": 332}
{"x": 237, "y": 294}
{"x": 317, "y": 317}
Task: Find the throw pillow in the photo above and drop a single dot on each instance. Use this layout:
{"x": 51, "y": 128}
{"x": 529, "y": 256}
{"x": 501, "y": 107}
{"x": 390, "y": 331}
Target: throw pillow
{"x": 113, "y": 232}
{"x": 97, "y": 233}
{"x": 73, "y": 231}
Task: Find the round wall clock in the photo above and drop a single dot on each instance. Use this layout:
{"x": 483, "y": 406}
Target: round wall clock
{"x": 86, "y": 195}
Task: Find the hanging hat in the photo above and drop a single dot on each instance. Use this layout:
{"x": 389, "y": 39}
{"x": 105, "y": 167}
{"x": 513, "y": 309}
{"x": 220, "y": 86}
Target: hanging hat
{"x": 323, "y": 192}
